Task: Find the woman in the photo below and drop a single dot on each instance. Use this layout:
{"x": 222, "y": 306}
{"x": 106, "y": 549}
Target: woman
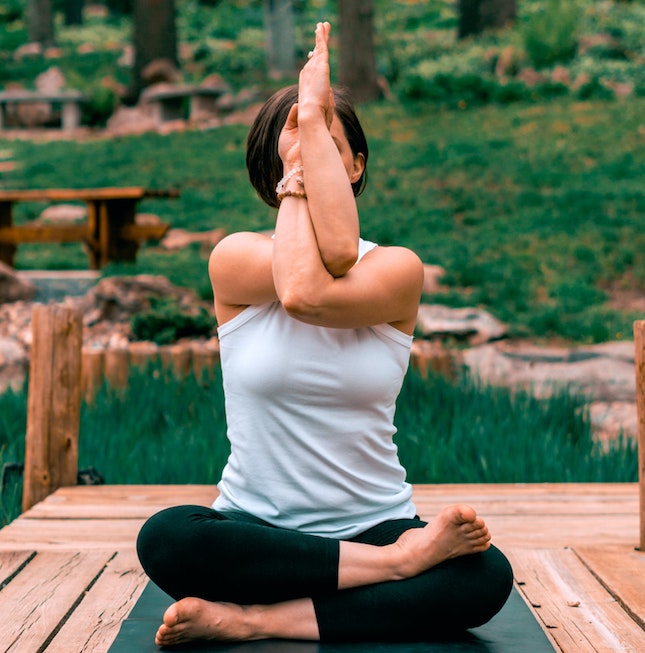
{"x": 313, "y": 535}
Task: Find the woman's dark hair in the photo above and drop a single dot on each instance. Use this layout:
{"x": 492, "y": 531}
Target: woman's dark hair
{"x": 262, "y": 160}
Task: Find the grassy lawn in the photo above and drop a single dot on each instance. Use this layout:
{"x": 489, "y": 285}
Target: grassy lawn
{"x": 535, "y": 211}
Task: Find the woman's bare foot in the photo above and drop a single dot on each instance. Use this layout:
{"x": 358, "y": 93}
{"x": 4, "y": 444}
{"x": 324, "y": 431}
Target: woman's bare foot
{"x": 192, "y": 618}
{"x": 455, "y": 531}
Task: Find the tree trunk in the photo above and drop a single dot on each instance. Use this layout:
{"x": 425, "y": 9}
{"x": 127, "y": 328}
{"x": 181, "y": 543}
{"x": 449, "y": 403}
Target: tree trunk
{"x": 475, "y": 16}
{"x": 40, "y": 22}
{"x": 74, "y": 12}
{"x": 357, "y": 62}
{"x": 155, "y": 37}
{"x": 280, "y": 41}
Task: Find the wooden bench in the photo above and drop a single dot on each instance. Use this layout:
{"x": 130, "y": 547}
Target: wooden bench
{"x": 110, "y": 231}
{"x": 168, "y": 103}
{"x": 68, "y": 101}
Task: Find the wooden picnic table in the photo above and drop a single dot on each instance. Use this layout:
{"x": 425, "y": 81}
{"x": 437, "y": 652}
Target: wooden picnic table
{"x": 69, "y": 574}
{"x": 110, "y": 231}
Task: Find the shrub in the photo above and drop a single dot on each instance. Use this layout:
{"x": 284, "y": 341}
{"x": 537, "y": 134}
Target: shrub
{"x": 551, "y": 35}
{"x": 166, "y": 322}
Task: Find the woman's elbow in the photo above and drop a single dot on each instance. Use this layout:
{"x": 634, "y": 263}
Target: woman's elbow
{"x": 340, "y": 262}
{"x": 297, "y": 305}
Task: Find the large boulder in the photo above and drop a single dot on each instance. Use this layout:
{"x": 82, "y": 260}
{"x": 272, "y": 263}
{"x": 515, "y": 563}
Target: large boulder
{"x": 472, "y": 325}
{"x": 12, "y": 287}
{"x": 117, "y": 299}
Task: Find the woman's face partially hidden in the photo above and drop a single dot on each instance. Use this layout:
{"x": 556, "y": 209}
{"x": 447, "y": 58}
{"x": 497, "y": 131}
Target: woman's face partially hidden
{"x": 354, "y": 165}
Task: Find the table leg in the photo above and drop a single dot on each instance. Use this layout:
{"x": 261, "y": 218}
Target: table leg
{"x": 7, "y": 250}
{"x": 120, "y": 212}
{"x": 71, "y": 115}
{"x": 93, "y": 235}
{"x": 105, "y": 237}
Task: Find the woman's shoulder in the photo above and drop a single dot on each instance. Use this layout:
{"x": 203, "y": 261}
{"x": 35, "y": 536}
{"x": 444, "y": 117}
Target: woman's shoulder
{"x": 394, "y": 255}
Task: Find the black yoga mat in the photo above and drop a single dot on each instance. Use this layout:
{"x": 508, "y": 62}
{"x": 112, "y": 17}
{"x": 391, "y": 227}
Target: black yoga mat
{"x": 512, "y": 630}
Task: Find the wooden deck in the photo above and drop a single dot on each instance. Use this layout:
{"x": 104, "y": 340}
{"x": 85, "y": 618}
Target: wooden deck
{"x": 69, "y": 574}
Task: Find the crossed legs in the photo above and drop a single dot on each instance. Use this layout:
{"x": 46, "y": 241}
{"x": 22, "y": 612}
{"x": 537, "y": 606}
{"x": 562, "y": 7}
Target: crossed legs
{"x": 238, "y": 579}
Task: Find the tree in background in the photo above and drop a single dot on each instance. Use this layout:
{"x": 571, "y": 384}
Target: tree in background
{"x": 74, "y": 12}
{"x": 280, "y": 40}
{"x": 155, "y": 38}
{"x": 40, "y": 22}
{"x": 357, "y": 61}
{"x": 475, "y": 16}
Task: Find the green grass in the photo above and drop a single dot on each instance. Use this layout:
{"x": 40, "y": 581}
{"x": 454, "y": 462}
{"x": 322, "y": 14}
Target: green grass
{"x": 534, "y": 211}
{"x": 167, "y": 431}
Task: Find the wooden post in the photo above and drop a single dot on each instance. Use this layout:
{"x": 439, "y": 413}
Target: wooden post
{"x": 91, "y": 372}
{"x": 143, "y": 353}
{"x": 205, "y": 357}
{"x": 639, "y": 347}
{"x": 116, "y": 366}
{"x": 176, "y": 358}
{"x": 54, "y": 402}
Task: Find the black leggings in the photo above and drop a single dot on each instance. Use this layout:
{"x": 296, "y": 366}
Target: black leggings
{"x": 230, "y": 556}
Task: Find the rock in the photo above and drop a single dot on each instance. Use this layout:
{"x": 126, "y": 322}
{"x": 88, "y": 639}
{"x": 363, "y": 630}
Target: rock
{"x": 63, "y": 214}
{"x": 474, "y": 325}
{"x": 161, "y": 71}
{"x": 34, "y": 114}
{"x": 215, "y": 81}
{"x": 130, "y": 120}
{"x": 126, "y": 60}
{"x": 431, "y": 276}
{"x": 180, "y": 238}
{"x": 117, "y": 299}
{"x": 603, "y": 372}
{"x": 531, "y": 77}
{"x": 14, "y": 363}
{"x": 51, "y": 81}
{"x": 32, "y": 49}
{"x": 53, "y": 53}
{"x": 560, "y": 75}
{"x": 12, "y": 287}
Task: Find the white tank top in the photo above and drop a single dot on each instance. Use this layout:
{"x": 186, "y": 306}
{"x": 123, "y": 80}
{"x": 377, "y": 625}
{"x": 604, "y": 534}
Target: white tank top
{"x": 310, "y": 415}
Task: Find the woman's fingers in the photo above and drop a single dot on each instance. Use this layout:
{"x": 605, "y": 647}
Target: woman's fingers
{"x": 321, "y": 36}
{"x": 314, "y": 82}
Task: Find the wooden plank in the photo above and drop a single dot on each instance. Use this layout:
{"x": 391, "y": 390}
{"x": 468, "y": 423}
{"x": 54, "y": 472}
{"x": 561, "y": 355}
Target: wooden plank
{"x": 11, "y": 562}
{"x": 38, "y": 599}
{"x": 561, "y": 497}
{"x": 45, "y": 233}
{"x": 59, "y": 534}
{"x": 577, "y": 611}
{"x": 94, "y": 624}
{"x": 141, "y": 232}
{"x": 84, "y": 194}
{"x": 69, "y": 194}
{"x": 621, "y": 570}
{"x": 119, "y": 501}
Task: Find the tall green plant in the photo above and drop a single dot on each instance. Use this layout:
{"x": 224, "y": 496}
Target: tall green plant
{"x": 551, "y": 35}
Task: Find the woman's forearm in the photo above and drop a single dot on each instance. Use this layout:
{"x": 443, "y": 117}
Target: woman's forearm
{"x": 331, "y": 202}
{"x": 299, "y": 273}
